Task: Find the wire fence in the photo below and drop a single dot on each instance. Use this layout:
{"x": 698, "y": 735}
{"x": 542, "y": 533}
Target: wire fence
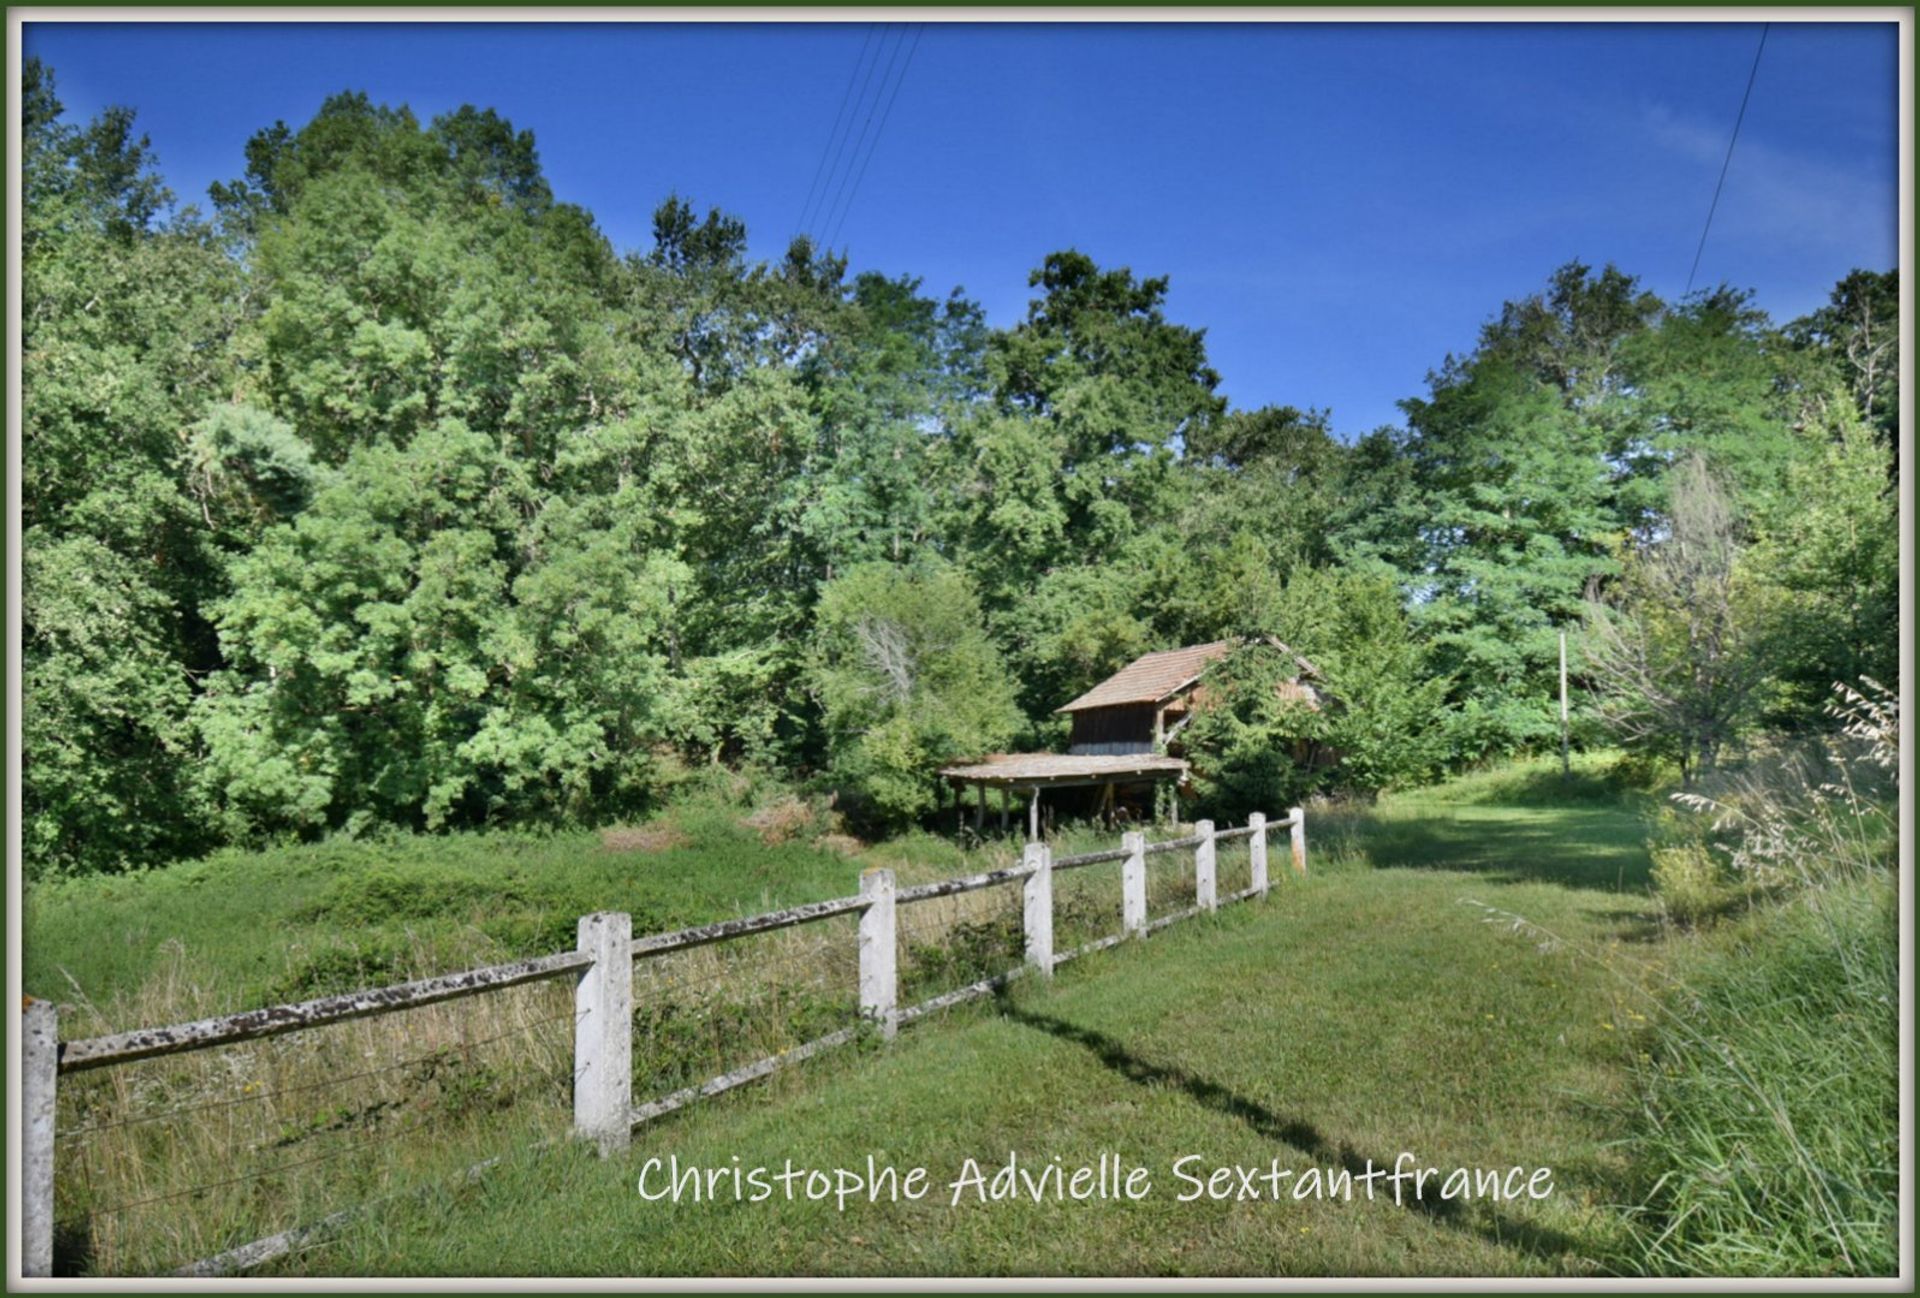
{"x": 951, "y": 942}
{"x": 229, "y": 1139}
{"x": 1086, "y": 904}
{"x": 164, "y": 1161}
{"x": 707, "y": 1010}
{"x": 1170, "y": 883}
{"x": 1233, "y": 865}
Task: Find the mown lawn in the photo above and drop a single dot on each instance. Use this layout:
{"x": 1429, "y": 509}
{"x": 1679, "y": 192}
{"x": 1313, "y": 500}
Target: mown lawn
{"x": 1373, "y": 1008}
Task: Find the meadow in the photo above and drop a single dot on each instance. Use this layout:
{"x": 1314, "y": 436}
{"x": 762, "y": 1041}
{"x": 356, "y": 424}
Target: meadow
{"x": 1477, "y": 974}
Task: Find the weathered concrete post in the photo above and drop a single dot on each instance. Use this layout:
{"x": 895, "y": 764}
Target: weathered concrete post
{"x": 1299, "y": 815}
{"x": 1038, "y": 913}
{"x": 1257, "y": 852}
{"x": 879, "y": 981}
{"x": 39, "y": 1072}
{"x": 603, "y": 1033}
{"x": 1205, "y": 891}
{"x": 1133, "y": 885}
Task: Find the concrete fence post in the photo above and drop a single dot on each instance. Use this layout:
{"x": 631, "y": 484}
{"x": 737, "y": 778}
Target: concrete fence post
{"x": 603, "y": 1033}
{"x": 1299, "y": 815}
{"x": 1257, "y": 853}
{"x": 879, "y": 979}
{"x": 1206, "y": 892}
{"x": 39, "y": 1073}
{"x": 1133, "y": 885}
{"x": 1038, "y": 911}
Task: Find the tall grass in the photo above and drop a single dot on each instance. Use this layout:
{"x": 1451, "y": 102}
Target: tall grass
{"x": 1769, "y": 1124}
{"x": 1769, "y": 1117}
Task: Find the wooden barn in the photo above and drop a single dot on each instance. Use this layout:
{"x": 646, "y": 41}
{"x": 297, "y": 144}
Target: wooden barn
{"x": 1141, "y": 707}
{"x": 1122, "y": 732}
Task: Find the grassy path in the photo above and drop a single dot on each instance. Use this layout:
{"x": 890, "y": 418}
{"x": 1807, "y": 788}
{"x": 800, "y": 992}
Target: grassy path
{"x": 1368, "y": 1010}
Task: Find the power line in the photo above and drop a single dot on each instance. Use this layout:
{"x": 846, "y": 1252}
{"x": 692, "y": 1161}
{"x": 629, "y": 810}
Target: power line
{"x": 846, "y": 97}
{"x": 884, "y": 115}
{"x": 826, "y": 219}
{"x": 1729, "y": 158}
{"x": 841, "y": 150}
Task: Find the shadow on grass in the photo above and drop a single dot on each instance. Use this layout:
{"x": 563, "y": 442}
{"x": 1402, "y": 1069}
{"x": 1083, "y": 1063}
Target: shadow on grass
{"x": 1544, "y": 786}
{"x": 1498, "y": 1228}
{"x": 1575, "y": 847}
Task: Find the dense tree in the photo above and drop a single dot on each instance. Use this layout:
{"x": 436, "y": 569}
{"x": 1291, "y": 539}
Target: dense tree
{"x": 394, "y": 494}
{"x": 1676, "y": 650}
{"x": 1829, "y": 543}
{"x": 906, "y": 679}
{"x": 126, "y": 321}
{"x": 439, "y": 638}
{"x": 1858, "y": 331}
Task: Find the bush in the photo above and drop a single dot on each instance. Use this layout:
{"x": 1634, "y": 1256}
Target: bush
{"x": 907, "y": 679}
{"x": 1688, "y": 881}
{"x": 1380, "y": 723}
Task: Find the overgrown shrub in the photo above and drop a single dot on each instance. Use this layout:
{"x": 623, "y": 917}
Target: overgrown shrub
{"x": 1690, "y": 884}
{"x": 906, "y": 678}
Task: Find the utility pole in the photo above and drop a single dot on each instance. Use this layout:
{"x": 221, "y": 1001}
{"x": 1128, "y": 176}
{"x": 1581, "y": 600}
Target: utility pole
{"x": 1566, "y": 761}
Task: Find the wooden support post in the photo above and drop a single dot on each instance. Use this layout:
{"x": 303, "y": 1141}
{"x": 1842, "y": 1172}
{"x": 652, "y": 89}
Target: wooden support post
{"x": 603, "y": 1033}
{"x": 1133, "y": 885}
{"x": 979, "y": 807}
{"x": 39, "y": 1074}
{"x": 1006, "y": 801}
{"x": 1257, "y": 852}
{"x": 1566, "y": 760}
{"x": 1038, "y": 911}
{"x": 1106, "y": 806}
{"x": 1033, "y": 815}
{"x": 1299, "y": 815}
{"x": 879, "y": 986}
{"x": 1205, "y": 890}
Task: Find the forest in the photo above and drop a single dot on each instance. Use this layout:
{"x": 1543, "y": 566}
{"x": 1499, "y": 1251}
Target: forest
{"x": 384, "y": 493}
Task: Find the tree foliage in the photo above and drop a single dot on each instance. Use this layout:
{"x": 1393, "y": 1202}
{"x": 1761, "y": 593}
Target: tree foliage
{"x": 1675, "y": 649}
{"x": 391, "y": 493}
{"x": 907, "y": 679}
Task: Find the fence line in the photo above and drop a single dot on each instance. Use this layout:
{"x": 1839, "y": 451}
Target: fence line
{"x": 146, "y": 1043}
{"x": 603, "y": 1103}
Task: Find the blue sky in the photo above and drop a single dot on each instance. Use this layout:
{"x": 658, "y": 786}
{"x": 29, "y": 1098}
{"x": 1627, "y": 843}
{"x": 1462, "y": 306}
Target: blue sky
{"x": 1338, "y": 205}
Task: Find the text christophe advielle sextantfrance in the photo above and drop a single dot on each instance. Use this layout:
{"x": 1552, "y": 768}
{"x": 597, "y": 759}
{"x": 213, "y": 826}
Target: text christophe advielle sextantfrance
{"x": 1110, "y": 1177}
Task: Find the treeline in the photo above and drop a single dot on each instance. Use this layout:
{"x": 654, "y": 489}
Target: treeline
{"x": 388, "y": 492}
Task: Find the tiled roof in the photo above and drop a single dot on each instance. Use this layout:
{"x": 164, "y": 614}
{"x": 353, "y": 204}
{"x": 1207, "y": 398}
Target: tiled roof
{"x": 1152, "y": 677}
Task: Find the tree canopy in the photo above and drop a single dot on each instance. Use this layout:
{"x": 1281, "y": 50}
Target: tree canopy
{"x": 388, "y": 491}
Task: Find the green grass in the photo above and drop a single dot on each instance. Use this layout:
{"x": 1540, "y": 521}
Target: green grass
{"x": 1769, "y": 1124}
{"x": 1357, "y": 1013}
{"x": 1387, "y": 1002}
{"x": 1236, "y": 1039}
{"x": 254, "y": 928}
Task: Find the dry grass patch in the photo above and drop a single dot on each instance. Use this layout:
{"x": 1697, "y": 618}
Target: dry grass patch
{"x": 781, "y": 821}
{"x": 661, "y": 836}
